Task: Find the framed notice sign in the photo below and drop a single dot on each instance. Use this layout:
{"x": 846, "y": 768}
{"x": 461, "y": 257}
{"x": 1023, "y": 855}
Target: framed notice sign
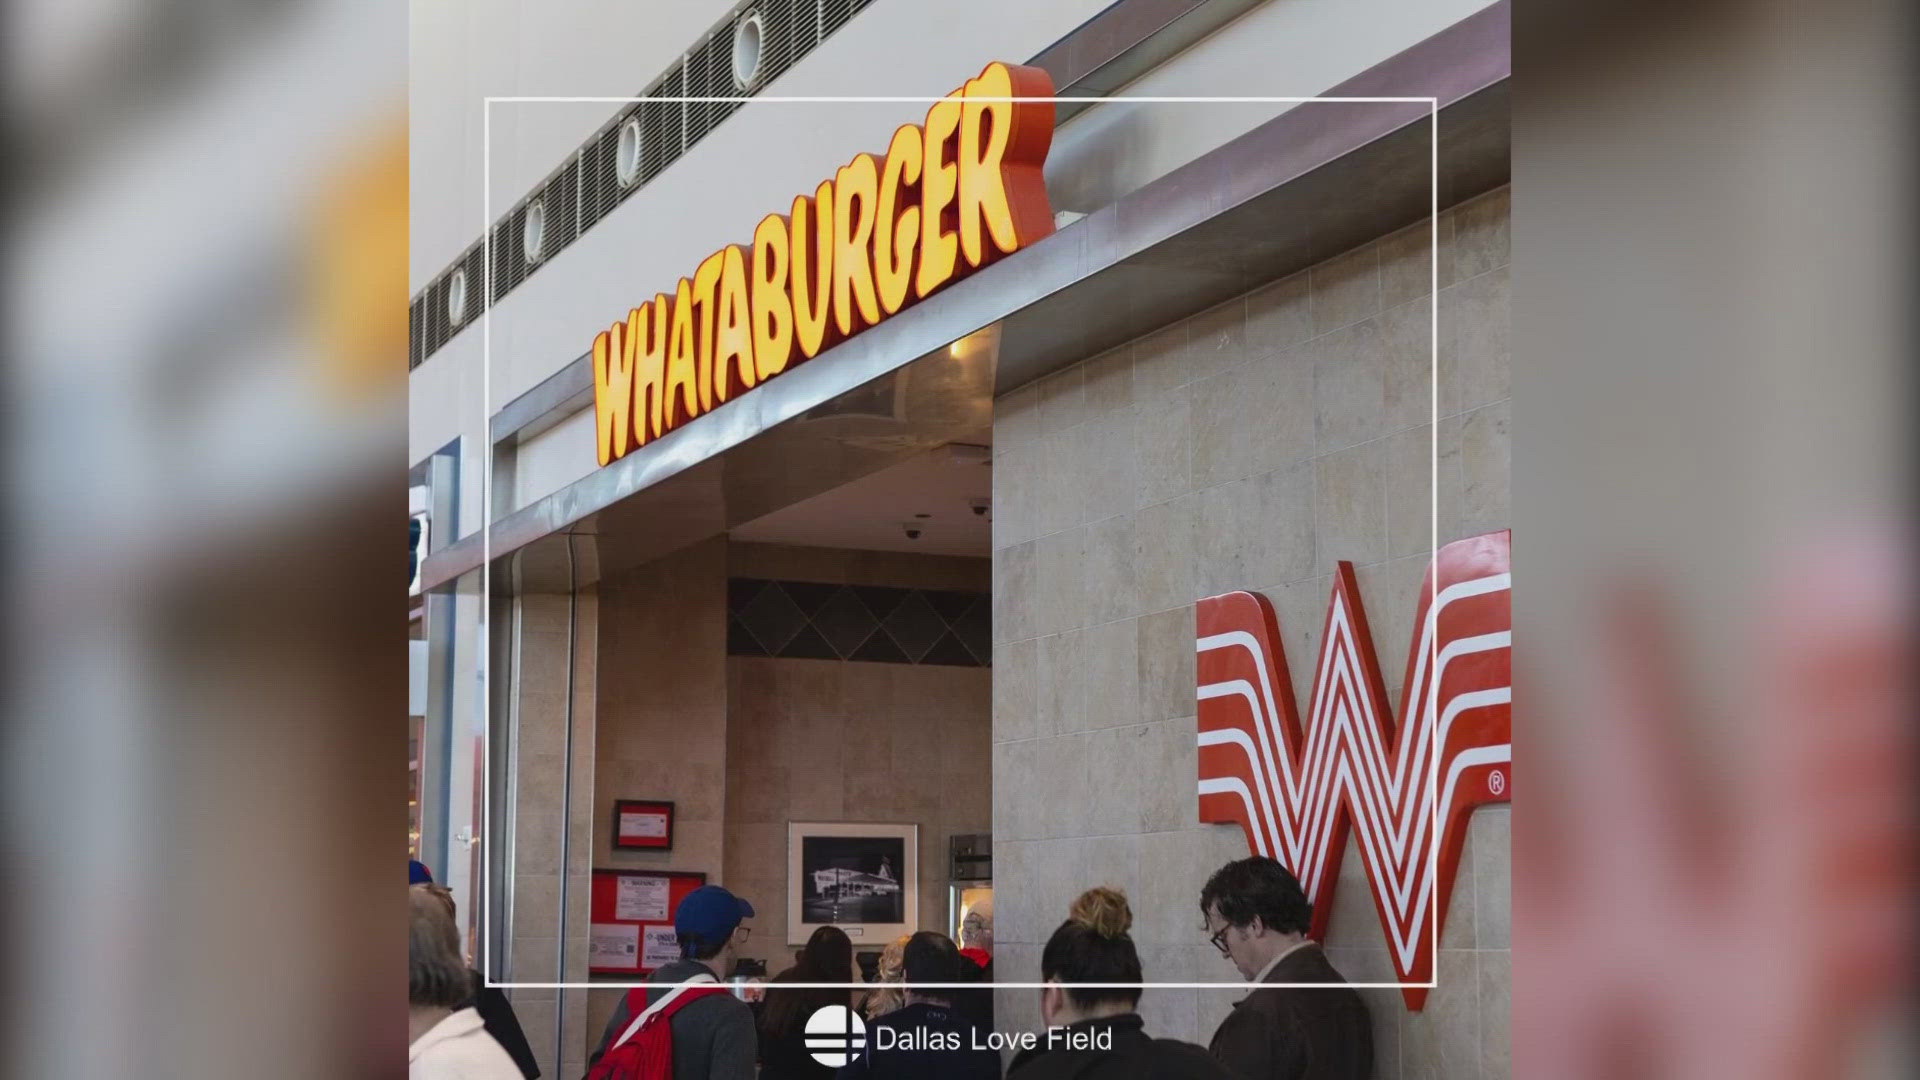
{"x": 642, "y": 824}
{"x": 630, "y": 918}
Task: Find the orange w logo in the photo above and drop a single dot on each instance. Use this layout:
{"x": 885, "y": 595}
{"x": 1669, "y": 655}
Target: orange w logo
{"x": 1409, "y": 790}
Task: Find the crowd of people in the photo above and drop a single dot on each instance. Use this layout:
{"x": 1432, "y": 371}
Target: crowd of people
{"x": 928, "y": 1011}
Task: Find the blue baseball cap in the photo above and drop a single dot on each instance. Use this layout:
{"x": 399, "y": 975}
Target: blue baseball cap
{"x": 709, "y": 915}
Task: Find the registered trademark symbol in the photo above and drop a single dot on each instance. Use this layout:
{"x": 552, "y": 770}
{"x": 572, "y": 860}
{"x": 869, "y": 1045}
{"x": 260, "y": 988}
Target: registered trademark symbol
{"x": 1496, "y": 781}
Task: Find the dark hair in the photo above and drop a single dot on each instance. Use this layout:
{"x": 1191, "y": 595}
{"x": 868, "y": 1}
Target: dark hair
{"x": 436, "y": 974}
{"x": 1093, "y": 946}
{"x": 930, "y": 957}
{"x": 698, "y": 947}
{"x": 1258, "y": 886}
{"x": 828, "y": 958}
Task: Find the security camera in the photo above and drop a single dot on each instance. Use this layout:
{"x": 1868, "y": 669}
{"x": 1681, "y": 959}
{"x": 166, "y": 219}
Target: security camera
{"x": 912, "y": 529}
{"x": 980, "y": 506}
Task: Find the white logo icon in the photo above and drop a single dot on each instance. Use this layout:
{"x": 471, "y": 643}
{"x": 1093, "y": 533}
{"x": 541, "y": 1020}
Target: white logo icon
{"x": 835, "y": 1035}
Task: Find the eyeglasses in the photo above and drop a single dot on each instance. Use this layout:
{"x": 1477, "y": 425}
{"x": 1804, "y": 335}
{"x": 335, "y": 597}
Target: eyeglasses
{"x": 741, "y": 933}
{"x": 1219, "y": 940}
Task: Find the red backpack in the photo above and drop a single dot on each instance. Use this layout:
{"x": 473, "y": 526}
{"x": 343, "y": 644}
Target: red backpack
{"x": 645, "y": 1050}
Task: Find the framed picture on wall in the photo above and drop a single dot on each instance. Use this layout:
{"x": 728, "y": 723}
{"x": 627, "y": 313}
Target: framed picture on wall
{"x": 643, "y": 824}
{"x": 863, "y": 878}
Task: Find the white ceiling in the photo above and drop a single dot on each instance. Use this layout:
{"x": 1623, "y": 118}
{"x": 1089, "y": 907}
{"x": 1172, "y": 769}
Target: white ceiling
{"x": 868, "y": 514}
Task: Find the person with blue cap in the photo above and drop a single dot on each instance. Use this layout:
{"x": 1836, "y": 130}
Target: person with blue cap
{"x": 713, "y": 1033}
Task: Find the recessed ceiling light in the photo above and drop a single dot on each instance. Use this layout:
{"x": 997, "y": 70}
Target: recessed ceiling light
{"x": 457, "y": 296}
{"x": 533, "y": 235}
{"x": 626, "y": 161}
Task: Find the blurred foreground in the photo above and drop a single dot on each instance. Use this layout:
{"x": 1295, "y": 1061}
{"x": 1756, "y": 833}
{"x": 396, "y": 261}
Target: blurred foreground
{"x": 1713, "y": 859}
{"x": 204, "y": 747}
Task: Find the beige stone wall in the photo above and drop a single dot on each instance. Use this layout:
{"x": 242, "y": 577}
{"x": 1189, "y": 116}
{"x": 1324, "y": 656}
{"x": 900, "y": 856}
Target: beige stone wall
{"x": 742, "y": 745}
{"x": 825, "y": 740}
{"x": 555, "y": 634}
{"x": 662, "y": 722}
{"x": 1250, "y": 447}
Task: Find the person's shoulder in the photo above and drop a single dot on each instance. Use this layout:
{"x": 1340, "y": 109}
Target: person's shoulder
{"x": 717, "y": 1009}
{"x": 723, "y": 1004}
{"x": 1250, "y": 1021}
{"x": 1309, "y": 964}
{"x": 1032, "y": 1063}
{"x": 1185, "y": 1059}
{"x": 463, "y": 1049}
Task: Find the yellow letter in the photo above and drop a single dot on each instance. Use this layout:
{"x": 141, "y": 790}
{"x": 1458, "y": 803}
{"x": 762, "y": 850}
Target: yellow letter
{"x": 646, "y": 349}
{"x": 854, "y": 307}
{"x": 706, "y": 280}
{"x": 896, "y": 226}
{"x": 938, "y": 184}
{"x": 772, "y": 311}
{"x": 733, "y": 372}
{"x": 812, "y": 238}
{"x": 612, "y": 393}
{"x": 683, "y": 375}
{"x": 1003, "y": 198}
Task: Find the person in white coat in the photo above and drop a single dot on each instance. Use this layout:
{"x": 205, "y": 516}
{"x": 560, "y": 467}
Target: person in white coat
{"x": 445, "y": 1041}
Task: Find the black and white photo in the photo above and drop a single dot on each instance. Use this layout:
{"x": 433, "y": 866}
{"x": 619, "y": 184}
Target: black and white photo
{"x": 852, "y": 879}
{"x": 862, "y": 878}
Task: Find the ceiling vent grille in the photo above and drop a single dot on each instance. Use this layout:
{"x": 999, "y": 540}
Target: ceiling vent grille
{"x": 561, "y": 197}
{"x": 509, "y": 258}
{"x": 601, "y": 188}
{"x": 416, "y": 340}
{"x": 710, "y": 75}
{"x": 755, "y": 44}
{"x": 789, "y": 29}
{"x": 435, "y": 314}
{"x": 835, "y": 13}
{"x": 474, "y": 262}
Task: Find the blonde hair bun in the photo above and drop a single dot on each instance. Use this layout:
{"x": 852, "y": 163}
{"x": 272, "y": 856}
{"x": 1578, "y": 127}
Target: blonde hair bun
{"x": 1104, "y": 911}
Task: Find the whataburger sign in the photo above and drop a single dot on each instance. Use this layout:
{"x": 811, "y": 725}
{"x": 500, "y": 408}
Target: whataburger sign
{"x": 951, "y": 195}
{"x": 1295, "y": 784}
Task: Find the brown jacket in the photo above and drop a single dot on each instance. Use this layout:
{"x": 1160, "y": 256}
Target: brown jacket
{"x": 1299, "y": 1033}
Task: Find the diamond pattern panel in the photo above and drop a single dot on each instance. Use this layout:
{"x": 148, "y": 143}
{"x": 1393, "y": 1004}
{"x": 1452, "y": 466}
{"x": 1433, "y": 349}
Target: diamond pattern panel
{"x": 915, "y": 626}
{"x": 807, "y": 620}
{"x": 846, "y": 622}
{"x": 773, "y": 619}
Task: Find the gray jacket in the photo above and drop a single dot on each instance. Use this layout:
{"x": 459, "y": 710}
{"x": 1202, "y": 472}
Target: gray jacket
{"x": 713, "y": 1037}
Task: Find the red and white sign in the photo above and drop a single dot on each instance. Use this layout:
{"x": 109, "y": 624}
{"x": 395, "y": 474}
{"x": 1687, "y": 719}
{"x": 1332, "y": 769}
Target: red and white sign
{"x": 1295, "y": 791}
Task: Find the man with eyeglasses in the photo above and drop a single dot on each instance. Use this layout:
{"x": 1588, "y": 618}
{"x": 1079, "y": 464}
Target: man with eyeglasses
{"x": 1258, "y": 916}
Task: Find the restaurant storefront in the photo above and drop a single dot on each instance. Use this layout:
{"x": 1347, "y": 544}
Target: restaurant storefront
{"x": 985, "y": 499}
